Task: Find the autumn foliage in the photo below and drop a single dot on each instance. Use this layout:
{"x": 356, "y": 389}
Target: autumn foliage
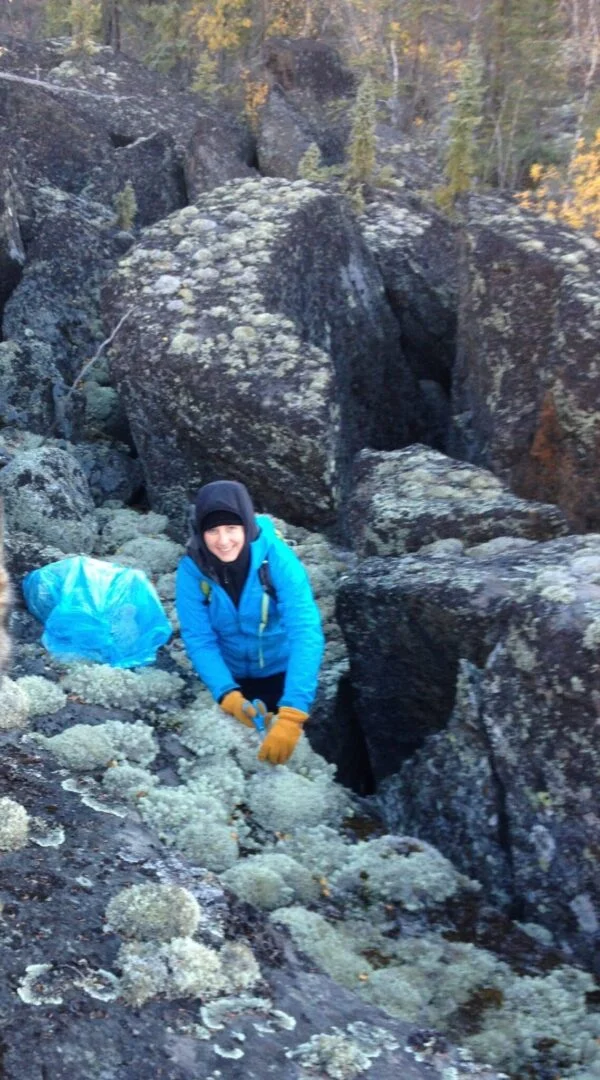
{"x": 570, "y": 195}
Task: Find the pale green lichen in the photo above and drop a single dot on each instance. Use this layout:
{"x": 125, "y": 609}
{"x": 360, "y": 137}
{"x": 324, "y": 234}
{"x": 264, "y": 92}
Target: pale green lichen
{"x": 153, "y": 912}
{"x": 154, "y": 555}
{"x": 115, "y": 688}
{"x": 43, "y": 696}
{"x": 14, "y": 825}
{"x": 183, "y": 967}
{"x": 87, "y": 747}
{"x": 405, "y": 871}
{"x": 14, "y": 705}
{"x": 272, "y": 880}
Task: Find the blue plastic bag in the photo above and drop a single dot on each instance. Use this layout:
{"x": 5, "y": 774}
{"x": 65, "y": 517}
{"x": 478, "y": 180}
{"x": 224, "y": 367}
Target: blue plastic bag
{"x": 96, "y": 610}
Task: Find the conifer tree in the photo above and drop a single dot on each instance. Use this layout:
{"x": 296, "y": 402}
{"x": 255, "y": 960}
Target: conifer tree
{"x": 468, "y": 113}
{"x": 362, "y": 145}
{"x": 310, "y": 164}
{"x": 125, "y": 204}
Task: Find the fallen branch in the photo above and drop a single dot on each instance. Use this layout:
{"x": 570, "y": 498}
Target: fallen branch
{"x": 56, "y": 86}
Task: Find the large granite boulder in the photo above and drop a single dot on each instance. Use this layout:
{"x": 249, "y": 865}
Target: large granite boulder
{"x": 259, "y": 344}
{"x": 404, "y": 499}
{"x": 88, "y": 124}
{"x": 526, "y": 387}
{"x": 214, "y": 155}
{"x": 12, "y": 252}
{"x": 46, "y": 494}
{"x": 510, "y": 783}
{"x": 284, "y": 136}
{"x": 51, "y": 321}
{"x": 310, "y": 100}
{"x": 416, "y": 250}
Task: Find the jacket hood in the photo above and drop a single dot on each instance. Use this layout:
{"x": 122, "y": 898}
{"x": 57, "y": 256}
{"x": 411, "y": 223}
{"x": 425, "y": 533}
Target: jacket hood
{"x": 228, "y": 495}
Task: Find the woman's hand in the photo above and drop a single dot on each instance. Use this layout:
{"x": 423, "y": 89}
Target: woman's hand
{"x": 278, "y": 746}
{"x": 240, "y": 708}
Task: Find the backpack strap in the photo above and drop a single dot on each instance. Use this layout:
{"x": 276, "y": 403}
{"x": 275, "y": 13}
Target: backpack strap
{"x": 206, "y": 591}
{"x": 264, "y": 576}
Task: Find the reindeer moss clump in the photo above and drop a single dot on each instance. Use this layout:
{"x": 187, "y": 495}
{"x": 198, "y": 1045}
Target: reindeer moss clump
{"x": 183, "y": 967}
{"x": 398, "y": 869}
{"x": 14, "y": 704}
{"x": 272, "y": 880}
{"x": 282, "y": 800}
{"x": 153, "y": 912}
{"x": 87, "y": 747}
{"x": 14, "y": 825}
{"x": 210, "y": 843}
{"x": 178, "y": 968}
{"x": 43, "y": 696}
{"x": 115, "y": 688}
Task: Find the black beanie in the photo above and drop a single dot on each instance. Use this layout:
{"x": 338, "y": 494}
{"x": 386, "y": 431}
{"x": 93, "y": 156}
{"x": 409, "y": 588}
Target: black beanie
{"x": 219, "y": 517}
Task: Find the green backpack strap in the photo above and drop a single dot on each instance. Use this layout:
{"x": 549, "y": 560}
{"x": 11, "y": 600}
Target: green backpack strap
{"x": 206, "y": 591}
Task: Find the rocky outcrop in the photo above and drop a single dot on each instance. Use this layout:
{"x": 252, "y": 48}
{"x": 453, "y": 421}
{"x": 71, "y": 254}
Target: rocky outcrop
{"x": 217, "y": 153}
{"x": 283, "y": 138}
{"x": 522, "y": 743}
{"x": 259, "y": 345}
{"x": 46, "y": 495}
{"x": 12, "y": 252}
{"x": 526, "y": 383}
{"x": 88, "y": 124}
{"x": 405, "y": 499}
{"x": 416, "y": 250}
{"x": 51, "y": 321}
{"x": 310, "y": 99}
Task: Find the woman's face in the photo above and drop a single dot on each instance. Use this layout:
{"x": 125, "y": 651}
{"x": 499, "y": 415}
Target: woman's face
{"x": 225, "y": 541}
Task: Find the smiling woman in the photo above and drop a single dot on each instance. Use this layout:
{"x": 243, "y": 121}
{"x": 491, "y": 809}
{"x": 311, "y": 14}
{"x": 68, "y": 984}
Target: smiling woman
{"x": 248, "y": 618}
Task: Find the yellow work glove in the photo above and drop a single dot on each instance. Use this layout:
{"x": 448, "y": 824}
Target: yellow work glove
{"x": 239, "y": 707}
{"x": 278, "y": 746}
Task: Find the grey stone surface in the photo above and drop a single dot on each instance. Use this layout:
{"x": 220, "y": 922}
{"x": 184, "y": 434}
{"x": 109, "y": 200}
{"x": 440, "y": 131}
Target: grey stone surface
{"x": 522, "y": 744}
{"x": 416, "y": 250}
{"x": 46, "y": 494}
{"x": 405, "y": 499}
{"x": 525, "y": 389}
{"x": 260, "y": 345}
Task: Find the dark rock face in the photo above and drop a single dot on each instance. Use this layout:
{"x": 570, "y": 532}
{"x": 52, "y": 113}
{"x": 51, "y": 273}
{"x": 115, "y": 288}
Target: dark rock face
{"x": 259, "y": 345}
{"x": 217, "y": 152}
{"x": 88, "y": 126}
{"x": 12, "y": 253}
{"x": 521, "y": 745}
{"x": 309, "y": 101}
{"x": 404, "y": 499}
{"x": 416, "y": 251}
{"x": 525, "y": 387}
{"x": 57, "y": 312}
{"x": 47, "y": 495}
{"x": 284, "y": 136}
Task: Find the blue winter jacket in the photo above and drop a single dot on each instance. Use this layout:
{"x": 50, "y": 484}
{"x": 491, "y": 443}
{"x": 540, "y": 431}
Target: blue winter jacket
{"x": 264, "y": 634}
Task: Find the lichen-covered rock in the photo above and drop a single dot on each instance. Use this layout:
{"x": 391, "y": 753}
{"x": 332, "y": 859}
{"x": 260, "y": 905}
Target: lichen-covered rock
{"x": 284, "y": 137}
{"x": 526, "y": 386}
{"x": 311, "y": 95}
{"x": 416, "y": 250}
{"x": 54, "y": 307}
{"x": 404, "y": 499}
{"x": 28, "y": 377}
{"x": 260, "y": 345}
{"x": 111, "y": 471}
{"x": 46, "y": 494}
{"x": 102, "y": 121}
{"x": 12, "y": 252}
{"x": 216, "y": 153}
{"x": 522, "y": 746}
{"x": 14, "y": 704}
